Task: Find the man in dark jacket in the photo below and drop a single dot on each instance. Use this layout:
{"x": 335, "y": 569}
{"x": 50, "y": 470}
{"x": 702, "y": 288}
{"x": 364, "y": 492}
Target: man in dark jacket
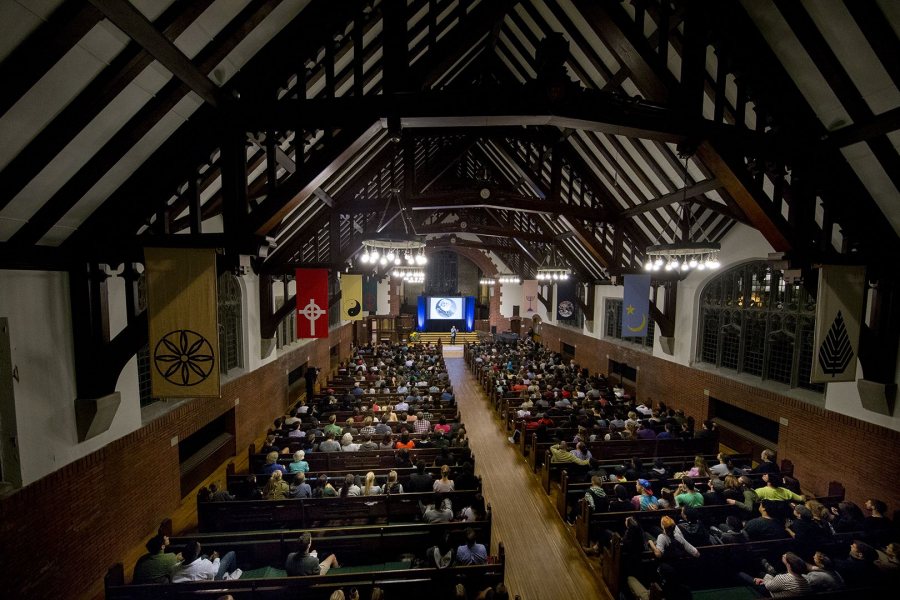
{"x": 306, "y": 562}
{"x": 420, "y": 481}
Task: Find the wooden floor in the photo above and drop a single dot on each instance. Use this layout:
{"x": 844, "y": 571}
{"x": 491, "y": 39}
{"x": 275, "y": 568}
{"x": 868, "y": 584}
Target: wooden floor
{"x": 543, "y": 562}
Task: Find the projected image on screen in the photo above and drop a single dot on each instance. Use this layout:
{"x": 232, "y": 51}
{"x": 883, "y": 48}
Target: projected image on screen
{"x": 445, "y": 308}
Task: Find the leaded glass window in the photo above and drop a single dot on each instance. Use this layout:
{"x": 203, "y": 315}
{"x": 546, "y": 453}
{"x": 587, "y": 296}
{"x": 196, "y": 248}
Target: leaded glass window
{"x": 752, "y": 321}
{"x": 613, "y": 327}
{"x": 230, "y": 344}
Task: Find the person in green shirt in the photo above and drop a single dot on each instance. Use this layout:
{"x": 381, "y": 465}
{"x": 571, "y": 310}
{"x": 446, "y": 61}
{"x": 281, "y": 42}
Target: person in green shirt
{"x": 155, "y": 566}
{"x": 774, "y": 491}
{"x": 687, "y": 494}
{"x": 332, "y": 427}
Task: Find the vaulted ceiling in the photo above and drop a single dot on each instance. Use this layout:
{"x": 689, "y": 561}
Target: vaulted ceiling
{"x": 580, "y": 129}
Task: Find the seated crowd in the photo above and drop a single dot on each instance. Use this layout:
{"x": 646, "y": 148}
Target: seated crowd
{"x": 828, "y": 548}
{"x": 374, "y": 427}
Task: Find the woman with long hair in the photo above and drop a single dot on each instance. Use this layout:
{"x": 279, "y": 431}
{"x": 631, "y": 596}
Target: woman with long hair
{"x": 276, "y": 488}
{"x": 393, "y": 486}
{"x": 369, "y": 488}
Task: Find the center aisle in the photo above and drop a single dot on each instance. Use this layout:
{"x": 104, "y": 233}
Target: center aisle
{"x": 542, "y": 561}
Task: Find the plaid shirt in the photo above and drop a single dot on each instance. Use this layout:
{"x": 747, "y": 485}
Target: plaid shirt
{"x": 421, "y": 425}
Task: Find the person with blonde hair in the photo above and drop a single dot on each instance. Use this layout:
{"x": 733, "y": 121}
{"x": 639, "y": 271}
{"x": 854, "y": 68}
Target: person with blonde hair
{"x": 299, "y": 465}
{"x": 369, "y": 487}
{"x": 272, "y": 464}
{"x": 392, "y": 486}
{"x": 347, "y": 444}
{"x": 276, "y": 488}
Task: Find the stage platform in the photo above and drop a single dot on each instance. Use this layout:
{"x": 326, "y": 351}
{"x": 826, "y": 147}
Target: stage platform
{"x": 432, "y": 337}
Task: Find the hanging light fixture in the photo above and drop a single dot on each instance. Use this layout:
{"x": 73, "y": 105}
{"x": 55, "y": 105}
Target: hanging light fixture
{"x": 409, "y": 274}
{"x": 487, "y": 281}
{"x": 394, "y": 249}
{"x": 550, "y": 270}
{"x": 509, "y": 278}
{"x": 685, "y": 255}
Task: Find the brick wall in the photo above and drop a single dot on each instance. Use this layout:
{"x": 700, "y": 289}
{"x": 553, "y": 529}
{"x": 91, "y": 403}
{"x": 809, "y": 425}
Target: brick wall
{"x": 63, "y": 531}
{"x": 823, "y": 445}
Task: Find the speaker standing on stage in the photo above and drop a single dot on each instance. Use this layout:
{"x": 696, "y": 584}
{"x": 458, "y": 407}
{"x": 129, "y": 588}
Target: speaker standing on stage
{"x": 453, "y": 332}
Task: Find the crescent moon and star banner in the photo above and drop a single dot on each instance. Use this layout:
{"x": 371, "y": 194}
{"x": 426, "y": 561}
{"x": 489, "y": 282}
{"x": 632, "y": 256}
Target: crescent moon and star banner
{"x": 312, "y": 303}
{"x": 183, "y": 323}
{"x": 636, "y": 306}
{"x": 370, "y": 294}
{"x": 839, "y": 307}
{"x": 351, "y": 297}
{"x": 566, "y": 303}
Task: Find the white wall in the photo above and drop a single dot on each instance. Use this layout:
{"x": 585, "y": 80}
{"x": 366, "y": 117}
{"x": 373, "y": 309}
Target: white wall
{"x": 384, "y": 296}
{"x": 37, "y": 305}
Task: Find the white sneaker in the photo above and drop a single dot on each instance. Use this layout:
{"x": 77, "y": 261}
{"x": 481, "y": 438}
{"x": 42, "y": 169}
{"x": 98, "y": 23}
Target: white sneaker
{"x": 236, "y": 574}
{"x": 512, "y": 440}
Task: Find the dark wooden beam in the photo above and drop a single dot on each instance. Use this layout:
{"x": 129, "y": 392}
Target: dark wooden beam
{"x": 135, "y": 25}
{"x": 688, "y": 193}
{"x": 59, "y": 132}
{"x": 139, "y": 125}
{"x": 31, "y": 59}
{"x": 865, "y": 130}
{"x": 839, "y": 81}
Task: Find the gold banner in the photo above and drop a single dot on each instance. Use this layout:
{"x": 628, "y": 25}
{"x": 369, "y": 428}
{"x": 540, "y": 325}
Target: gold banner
{"x": 351, "y": 297}
{"x": 183, "y": 322}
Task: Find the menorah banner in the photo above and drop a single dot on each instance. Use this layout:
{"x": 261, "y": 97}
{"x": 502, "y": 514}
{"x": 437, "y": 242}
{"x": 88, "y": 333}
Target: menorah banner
{"x": 839, "y": 307}
{"x": 529, "y": 293}
{"x": 183, "y": 322}
{"x": 312, "y": 303}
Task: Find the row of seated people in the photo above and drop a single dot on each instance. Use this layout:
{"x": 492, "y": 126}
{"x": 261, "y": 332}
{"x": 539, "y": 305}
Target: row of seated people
{"x": 436, "y": 511}
{"x": 283, "y": 558}
{"x": 814, "y": 549}
{"x": 275, "y": 485}
{"x": 308, "y": 433}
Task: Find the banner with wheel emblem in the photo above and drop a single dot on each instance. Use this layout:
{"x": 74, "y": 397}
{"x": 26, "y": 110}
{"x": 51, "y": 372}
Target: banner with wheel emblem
{"x": 182, "y": 305}
{"x": 312, "y": 303}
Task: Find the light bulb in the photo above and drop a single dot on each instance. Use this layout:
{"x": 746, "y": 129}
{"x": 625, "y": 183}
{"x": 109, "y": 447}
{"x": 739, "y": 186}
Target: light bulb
{"x": 409, "y": 258}
{"x": 396, "y": 273}
{"x": 668, "y": 266}
{"x": 701, "y": 266}
{"x": 373, "y": 256}
{"x": 390, "y": 255}
{"x": 397, "y": 260}
{"x": 364, "y": 258}
{"x": 648, "y": 266}
{"x": 424, "y": 260}
{"x": 658, "y": 263}
{"x": 715, "y": 264}
{"x": 383, "y": 261}
{"x": 684, "y": 266}
{"x": 675, "y": 264}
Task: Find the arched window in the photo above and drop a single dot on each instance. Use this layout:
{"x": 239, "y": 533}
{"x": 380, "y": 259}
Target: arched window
{"x": 753, "y": 322}
{"x": 230, "y": 346}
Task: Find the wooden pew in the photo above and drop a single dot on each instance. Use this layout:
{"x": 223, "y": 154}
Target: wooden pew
{"x": 589, "y": 521}
{"x": 345, "y": 461}
{"x": 318, "y": 512}
{"x": 435, "y": 584}
{"x": 644, "y": 449}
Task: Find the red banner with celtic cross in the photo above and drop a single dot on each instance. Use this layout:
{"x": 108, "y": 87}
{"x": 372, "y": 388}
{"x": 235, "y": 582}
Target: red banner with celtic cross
{"x": 312, "y": 303}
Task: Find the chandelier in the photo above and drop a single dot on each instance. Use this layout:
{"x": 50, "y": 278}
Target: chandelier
{"x": 553, "y": 274}
{"x": 409, "y": 274}
{"x": 506, "y": 278}
{"x": 392, "y": 251}
{"x": 685, "y": 255}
